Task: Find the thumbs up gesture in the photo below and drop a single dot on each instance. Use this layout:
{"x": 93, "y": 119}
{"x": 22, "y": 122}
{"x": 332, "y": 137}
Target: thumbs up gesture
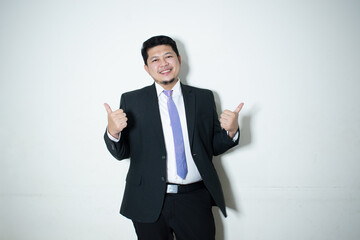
{"x": 117, "y": 121}
{"x": 229, "y": 120}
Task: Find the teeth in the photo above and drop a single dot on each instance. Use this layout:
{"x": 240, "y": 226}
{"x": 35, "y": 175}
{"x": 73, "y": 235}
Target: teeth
{"x": 166, "y": 71}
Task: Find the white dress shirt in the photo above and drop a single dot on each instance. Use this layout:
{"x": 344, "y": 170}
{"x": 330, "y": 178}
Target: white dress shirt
{"x": 193, "y": 174}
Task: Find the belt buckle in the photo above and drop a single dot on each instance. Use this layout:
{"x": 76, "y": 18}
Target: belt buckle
{"x": 171, "y": 188}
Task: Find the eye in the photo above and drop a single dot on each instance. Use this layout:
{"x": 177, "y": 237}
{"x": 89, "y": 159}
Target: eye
{"x": 154, "y": 60}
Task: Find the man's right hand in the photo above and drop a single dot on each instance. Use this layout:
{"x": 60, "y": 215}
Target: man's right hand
{"x": 117, "y": 121}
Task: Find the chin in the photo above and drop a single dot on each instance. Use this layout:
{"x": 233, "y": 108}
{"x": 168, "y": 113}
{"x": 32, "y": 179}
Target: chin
{"x": 167, "y": 82}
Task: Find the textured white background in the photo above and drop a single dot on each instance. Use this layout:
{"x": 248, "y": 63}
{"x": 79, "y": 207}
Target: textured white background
{"x": 295, "y": 64}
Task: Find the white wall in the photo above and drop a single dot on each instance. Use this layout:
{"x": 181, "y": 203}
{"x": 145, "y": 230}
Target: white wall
{"x": 295, "y": 64}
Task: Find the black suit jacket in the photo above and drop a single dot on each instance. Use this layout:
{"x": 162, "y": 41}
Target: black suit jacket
{"x": 143, "y": 142}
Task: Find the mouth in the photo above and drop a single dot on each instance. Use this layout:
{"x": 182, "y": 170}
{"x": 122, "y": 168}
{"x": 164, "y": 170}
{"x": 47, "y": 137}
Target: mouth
{"x": 165, "y": 71}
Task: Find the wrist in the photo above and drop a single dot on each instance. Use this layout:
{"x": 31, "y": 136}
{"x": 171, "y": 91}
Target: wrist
{"x": 115, "y": 135}
{"x": 232, "y": 134}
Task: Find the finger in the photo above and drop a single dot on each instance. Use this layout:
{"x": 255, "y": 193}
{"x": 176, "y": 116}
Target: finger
{"x": 119, "y": 112}
{"x": 123, "y": 120}
{"x": 227, "y": 114}
{"x": 108, "y": 108}
{"x": 224, "y": 126}
{"x": 238, "y": 109}
{"x": 119, "y": 115}
{"x": 224, "y": 121}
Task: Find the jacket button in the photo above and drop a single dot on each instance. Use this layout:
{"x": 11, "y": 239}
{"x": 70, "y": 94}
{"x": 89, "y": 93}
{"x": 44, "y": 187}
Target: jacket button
{"x": 163, "y": 157}
{"x": 163, "y": 179}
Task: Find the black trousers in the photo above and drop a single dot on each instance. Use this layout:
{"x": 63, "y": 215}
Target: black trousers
{"x": 188, "y": 216}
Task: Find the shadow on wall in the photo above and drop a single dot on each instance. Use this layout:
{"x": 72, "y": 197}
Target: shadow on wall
{"x": 184, "y": 61}
{"x": 245, "y": 139}
{"x": 231, "y": 202}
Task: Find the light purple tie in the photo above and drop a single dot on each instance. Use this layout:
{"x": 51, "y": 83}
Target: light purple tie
{"x": 178, "y": 136}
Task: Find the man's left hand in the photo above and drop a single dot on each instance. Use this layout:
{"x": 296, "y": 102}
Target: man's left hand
{"x": 229, "y": 120}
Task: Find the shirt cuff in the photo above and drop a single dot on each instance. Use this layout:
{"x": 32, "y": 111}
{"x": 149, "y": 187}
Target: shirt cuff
{"x": 112, "y": 138}
{"x": 235, "y": 138}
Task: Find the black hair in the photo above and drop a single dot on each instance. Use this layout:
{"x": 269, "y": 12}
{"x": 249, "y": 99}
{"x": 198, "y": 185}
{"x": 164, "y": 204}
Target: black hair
{"x": 156, "y": 41}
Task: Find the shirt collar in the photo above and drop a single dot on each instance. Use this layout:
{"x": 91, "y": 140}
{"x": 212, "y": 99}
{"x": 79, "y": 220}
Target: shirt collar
{"x": 176, "y": 89}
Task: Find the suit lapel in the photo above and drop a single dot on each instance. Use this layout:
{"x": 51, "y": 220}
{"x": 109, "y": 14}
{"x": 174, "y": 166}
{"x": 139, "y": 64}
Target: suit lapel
{"x": 153, "y": 114}
{"x": 189, "y": 103}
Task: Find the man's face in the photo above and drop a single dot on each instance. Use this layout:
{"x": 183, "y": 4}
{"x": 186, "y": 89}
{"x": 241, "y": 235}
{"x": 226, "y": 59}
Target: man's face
{"x": 163, "y": 65}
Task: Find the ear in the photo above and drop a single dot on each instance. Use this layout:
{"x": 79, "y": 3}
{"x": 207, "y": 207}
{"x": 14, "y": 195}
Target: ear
{"x": 179, "y": 57}
{"x": 146, "y": 68}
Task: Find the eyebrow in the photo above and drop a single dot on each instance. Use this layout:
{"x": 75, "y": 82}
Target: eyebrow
{"x": 167, "y": 53}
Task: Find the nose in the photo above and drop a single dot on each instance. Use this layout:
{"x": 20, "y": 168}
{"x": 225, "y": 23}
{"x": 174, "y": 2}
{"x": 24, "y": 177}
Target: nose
{"x": 163, "y": 62}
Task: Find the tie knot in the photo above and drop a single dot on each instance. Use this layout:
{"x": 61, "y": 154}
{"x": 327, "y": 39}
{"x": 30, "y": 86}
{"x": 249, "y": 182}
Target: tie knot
{"x": 168, "y": 93}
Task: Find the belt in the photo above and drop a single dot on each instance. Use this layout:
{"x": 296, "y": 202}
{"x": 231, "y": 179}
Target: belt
{"x": 178, "y": 188}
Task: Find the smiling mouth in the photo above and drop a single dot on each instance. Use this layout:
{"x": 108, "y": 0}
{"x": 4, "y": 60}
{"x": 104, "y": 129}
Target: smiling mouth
{"x": 165, "y": 71}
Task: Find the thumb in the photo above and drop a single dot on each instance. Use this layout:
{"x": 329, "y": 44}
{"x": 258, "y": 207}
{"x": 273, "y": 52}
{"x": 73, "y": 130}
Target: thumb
{"x": 108, "y": 108}
{"x": 238, "y": 109}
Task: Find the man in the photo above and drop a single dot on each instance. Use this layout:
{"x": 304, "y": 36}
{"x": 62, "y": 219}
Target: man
{"x": 170, "y": 132}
